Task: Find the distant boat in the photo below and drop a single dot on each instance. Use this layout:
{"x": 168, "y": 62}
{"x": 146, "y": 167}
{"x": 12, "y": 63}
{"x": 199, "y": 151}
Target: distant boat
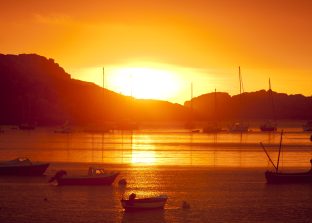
{"x": 95, "y": 177}
{"x": 307, "y": 127}
{"x": 150, "y": 203}
{"x": 269, "y": 126}
{"x": 277, "y": 177}
{"x": 22, "y": 167}
{"x": 27, "y": 126}
{"x": 189, "y": 124}
{"x": 64, "y": 129}
{"x": 239, "y": 126}
{"x": 213, "y": 127}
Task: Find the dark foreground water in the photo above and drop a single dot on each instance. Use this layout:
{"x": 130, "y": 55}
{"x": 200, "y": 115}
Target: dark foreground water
{"x": 220, "y": 176}
{"x": 215, "y": 195}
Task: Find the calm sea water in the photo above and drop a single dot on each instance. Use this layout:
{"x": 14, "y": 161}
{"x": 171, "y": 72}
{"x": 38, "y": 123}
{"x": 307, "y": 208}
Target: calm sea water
{"x": 221, "y": 176}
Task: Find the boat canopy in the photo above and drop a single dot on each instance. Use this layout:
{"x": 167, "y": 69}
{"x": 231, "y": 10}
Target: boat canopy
{"x": 17, "y": 161}
{"x": 95, "y": 171}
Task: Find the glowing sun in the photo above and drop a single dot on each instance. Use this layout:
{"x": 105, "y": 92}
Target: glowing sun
{"x": 145, "y": 83}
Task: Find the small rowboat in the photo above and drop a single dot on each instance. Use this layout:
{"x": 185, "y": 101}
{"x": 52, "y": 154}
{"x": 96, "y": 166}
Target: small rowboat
{"x": 95, "y": 177}
{"x": 151, "y": 203}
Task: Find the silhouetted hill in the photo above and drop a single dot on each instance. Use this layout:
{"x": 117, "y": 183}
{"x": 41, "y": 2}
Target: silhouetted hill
{"x": 36, "y": 89}
{"x": 253, "y": 105}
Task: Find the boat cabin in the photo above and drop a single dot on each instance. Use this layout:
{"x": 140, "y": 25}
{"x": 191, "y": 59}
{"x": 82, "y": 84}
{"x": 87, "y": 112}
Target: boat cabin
{"x": 95, "y": 171}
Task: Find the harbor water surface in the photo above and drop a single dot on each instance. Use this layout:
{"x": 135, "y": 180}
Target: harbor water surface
{"x": 221, "y": 176}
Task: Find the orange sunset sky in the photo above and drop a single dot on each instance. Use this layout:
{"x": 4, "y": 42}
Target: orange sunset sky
{"x": 155, "y": 49}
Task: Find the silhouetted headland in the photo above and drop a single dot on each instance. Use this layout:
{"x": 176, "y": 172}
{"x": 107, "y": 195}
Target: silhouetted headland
{"x": 37, "y": 90}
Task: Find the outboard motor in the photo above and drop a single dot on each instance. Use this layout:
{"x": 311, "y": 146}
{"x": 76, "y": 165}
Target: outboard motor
{"x": 58, "y": 175}
{"x": 132, "y": 196}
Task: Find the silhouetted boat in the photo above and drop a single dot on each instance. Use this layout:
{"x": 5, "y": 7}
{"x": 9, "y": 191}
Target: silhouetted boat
{"x": 64, "y": 129}
{"x": 307, "y": 127}
{"x": 27, "y": 126}
{"x": 239, "y": 126}
{"x": 269, "y": 126}
{"x": 213, "y": 127}
{"x": 151, "y": 203}
{"x": 22, "y": 167}
{"x": 95, "y": 177}
{"x": 280, "y": 177}
{"x": 277, "y": 177}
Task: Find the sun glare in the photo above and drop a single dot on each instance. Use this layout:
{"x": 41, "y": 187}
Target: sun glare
{"x": 143, "y": 157}
{"x": 144, "y": 83}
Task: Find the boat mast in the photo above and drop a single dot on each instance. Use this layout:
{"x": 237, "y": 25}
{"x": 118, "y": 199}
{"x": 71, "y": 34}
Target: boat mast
{"x": 272, "y": 101}
{"x": 279, "y": 150}
{"x": 215, "y": 105}
{"x": 191, "y": 105}
{"x": 268, "y": 155}
{"x": 241, "y": 88}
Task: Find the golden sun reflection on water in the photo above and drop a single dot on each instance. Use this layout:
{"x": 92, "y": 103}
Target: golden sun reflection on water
{"x": 143, "y": 157}
{"x": 143, "y": 151}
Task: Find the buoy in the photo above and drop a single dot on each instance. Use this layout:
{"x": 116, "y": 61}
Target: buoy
{"x": 122, "y": 182}
{"x": 186, "y": 205}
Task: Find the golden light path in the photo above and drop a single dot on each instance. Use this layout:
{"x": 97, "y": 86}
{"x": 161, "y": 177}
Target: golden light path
{"x": 143, "y": 153}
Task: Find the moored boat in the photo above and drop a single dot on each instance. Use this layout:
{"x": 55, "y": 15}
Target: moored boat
{"x": 278, "y": 177}
{"x": 282, "y": 178}
{"x": 27, "y": 126}
{"x": 22, "y": 167}
{"x": 307, "y": 127}
{"x": 268, "y": 127}
{"x": 239, "y": 127}
{"x": 141, "y": 204}
{"x": 95, "y": 177}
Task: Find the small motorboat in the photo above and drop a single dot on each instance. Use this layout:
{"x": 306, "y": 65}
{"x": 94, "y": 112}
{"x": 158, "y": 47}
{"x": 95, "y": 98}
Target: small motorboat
{"x": 22, "y": 167}
{"x": 150, "y": 203}
{"x": 95, "y": 177}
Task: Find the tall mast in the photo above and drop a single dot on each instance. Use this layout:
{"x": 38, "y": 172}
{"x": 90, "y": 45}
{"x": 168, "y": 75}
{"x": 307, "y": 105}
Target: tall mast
{"x": 279, "y": 151}
{"x": 191, "y": 103}
{"x": 215, "y": 104}
{"x": 241, "y": 84}
{"x": 272, "y": 101}
{"x": 103, "y": 77}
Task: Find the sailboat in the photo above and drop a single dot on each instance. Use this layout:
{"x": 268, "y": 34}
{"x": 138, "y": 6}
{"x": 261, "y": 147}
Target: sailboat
{"x": 278, "y": 177}
{"x": 269, "y": 126}
{"x": 190, "y": 123}
{"x": 213, "y": 127}
{"x": 239, "y": 126}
